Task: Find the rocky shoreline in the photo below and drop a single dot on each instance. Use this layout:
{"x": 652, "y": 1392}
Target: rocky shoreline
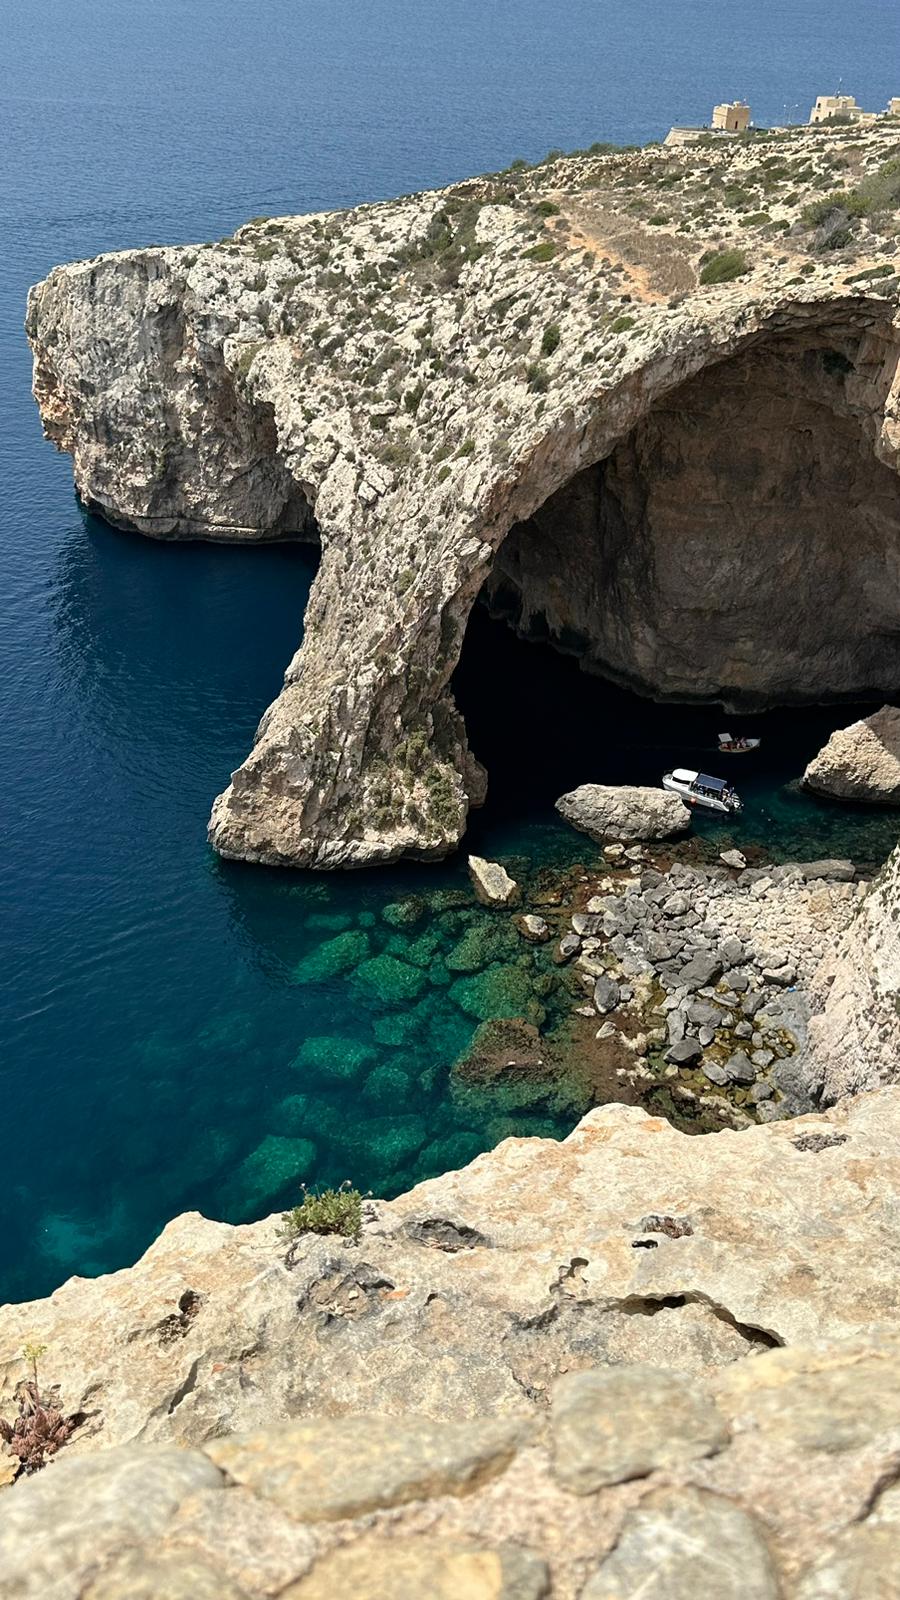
{"x": 689, "y": 982}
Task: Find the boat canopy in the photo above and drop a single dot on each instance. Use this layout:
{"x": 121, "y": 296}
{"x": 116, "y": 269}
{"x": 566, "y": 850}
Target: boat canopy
{"x": 682, "y": 775}
{"x": 715, "y": 784}
{"x": 725, "y": 738}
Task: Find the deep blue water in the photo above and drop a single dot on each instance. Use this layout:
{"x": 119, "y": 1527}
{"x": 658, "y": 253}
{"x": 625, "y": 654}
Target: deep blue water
{"x": 159, "y": 1020}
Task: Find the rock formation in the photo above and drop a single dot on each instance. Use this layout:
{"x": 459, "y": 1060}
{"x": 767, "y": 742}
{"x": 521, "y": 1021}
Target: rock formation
{"x": 628, "y": 1241}
{"x": 623, "y": 811}
{"x": 523, "y": 1379}
{"x": 861, "y": 762}
{"x": 537, "y": 387}
{"x": 854, "y": 1039}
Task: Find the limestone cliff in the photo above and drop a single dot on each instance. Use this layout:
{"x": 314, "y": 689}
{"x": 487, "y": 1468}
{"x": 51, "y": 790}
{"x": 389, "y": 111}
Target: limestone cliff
{"x": 549, "y": 1374}
{"x": 635, "y": 400}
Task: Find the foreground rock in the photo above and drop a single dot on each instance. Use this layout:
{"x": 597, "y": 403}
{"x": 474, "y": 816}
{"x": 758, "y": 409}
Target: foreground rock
{"x": 861, "y": 762}
{"x": 464, "y": 393}
{"x": 773, "y": 1476}
{"x": 608, "y": 811}
{"x": 475, "y": 1291}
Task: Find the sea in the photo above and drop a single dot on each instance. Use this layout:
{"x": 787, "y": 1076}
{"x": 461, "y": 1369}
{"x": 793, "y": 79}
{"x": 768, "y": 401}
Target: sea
{"x": 176, "y": 1031}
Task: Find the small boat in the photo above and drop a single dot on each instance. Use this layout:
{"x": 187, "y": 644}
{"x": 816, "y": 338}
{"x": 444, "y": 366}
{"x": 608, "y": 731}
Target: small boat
{"x": 699, "y": 789}
{"x": 736, "y": 747}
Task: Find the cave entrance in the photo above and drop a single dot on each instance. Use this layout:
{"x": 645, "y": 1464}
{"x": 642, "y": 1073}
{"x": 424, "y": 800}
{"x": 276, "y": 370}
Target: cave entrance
{"x": 740, "y": 545}
{"x": 738, "y": 549}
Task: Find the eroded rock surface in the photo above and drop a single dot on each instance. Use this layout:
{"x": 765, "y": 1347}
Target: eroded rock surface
{"x": 854, "y": 1037}
{"x": 774, "y": 1477}
{"x": 628, "y": 1241}
{"x": 624, "y": 811}
{"x": 516, "y": 388}
{"x": 861, "y": 762}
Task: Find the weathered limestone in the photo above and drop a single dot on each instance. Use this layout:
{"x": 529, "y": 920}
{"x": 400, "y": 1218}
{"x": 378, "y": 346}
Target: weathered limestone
{"x": 624, "y": 811}
{"x": 625, "y": 1422}
{"x": 853, "y": 1038}
{"x": 561, "y": 432}
{"x": 478, "y": 1289}
{"x": 303, "y": 1465}
{"x": 492, "y": 883}
{"x": 861, "y": 762}
{"x": 776, "y": 1478}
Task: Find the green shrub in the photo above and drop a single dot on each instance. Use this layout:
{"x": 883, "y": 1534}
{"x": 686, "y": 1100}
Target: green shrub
{"x": 546, "y": 208}
{"x": 538, "y": 380}
{"x": 756, "y": 219}
{"x": 658, "y": 220}
{"x": 550, "y": 339}
{"x": 545, "y": 251}
{"x": 332, "y": 1211}
{"x": 622, "y": 324}
{"x": 725, "y": 267}
{"x": 467, "y": 448}
{"x": 247, "y": 356}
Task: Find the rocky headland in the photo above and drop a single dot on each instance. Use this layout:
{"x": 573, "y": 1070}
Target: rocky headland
{"x": 540, "y": 389}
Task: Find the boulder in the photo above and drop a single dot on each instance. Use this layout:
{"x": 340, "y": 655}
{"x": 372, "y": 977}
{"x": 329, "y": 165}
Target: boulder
{"x": 861, "y": 762}
{"x": 839, "y": 870}
{"x": 606, "y": 994}
{"x": 733, "y": 858}
{"x": 609, "y": 811}
{"x": 492, "y": 883}
{"x": 739, "y": 1068}
{"x": 684, "y": 1052}
{"x": 701, "y": 970}
{"x": 533, "y": 928}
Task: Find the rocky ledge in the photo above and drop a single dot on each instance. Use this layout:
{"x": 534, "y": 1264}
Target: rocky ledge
{"x": 539, "y": 388}
{"x": 631, "y": 1351}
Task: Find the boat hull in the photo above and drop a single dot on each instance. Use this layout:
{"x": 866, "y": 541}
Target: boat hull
{"x": 700, "y": 802}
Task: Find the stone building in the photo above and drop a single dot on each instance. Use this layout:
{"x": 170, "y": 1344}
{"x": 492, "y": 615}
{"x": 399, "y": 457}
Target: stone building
{"x": 732, "y": 116}
{"x": 828, "y": 106}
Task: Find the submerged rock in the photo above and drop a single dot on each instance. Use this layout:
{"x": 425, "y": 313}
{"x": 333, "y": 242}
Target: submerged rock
{"x": 535, "y": 929}
{"x": 492, "y": 883}
{"x": 333, "y": 958}
{"x": 607, "y": 811}
{"x": 333, "y": 1057}
{"x": 861, "y": 762}
{"x": 390, "y": 980}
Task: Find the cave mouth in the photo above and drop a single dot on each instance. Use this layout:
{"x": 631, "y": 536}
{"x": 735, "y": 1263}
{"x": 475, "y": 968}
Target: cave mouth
{"x": 740, "y": 546}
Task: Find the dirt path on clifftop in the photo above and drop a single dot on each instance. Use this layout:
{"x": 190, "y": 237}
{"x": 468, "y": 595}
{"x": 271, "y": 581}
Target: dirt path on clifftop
{"x": 655, "y": 264}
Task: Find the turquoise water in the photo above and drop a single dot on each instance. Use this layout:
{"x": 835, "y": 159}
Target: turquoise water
{"x": 162, "y": 1014}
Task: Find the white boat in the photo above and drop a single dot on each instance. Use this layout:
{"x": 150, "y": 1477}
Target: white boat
{"x": 736, "y": 747}
{"x": 699, "y": 789}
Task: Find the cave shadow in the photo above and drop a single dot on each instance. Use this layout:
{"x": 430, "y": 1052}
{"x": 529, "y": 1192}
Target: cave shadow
{"x": 738, "y": 547}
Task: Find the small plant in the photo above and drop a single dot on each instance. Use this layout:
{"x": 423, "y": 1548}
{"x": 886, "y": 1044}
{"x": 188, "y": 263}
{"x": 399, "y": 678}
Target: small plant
{"x": 40, "y": 1429}
{"x": 550, "y": 339}
{"x": 725, "y": 267}
{"x": 546, "y": 208}
{"x": 538, "y": 379}
{"x": 622, "y": 324}
{"x": 333, "y": 1211}
{"x": 545, "y": 251}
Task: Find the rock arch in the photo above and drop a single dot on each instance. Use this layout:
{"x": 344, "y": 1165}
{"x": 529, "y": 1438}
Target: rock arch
{"x": 364, "y": 756}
